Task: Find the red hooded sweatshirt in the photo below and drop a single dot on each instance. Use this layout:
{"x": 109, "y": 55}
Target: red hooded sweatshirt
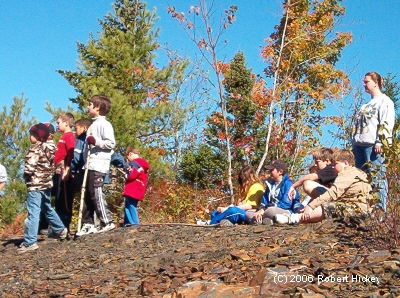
{"x": 136, "y": 181}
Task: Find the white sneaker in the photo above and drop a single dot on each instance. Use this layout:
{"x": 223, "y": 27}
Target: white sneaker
{"x": 286, "y": 219}
{"x": 281, "y": 219}
{"x": 202, "y": 222}
{"x": 110, "y": 226}
{"x": 86, "y": 230}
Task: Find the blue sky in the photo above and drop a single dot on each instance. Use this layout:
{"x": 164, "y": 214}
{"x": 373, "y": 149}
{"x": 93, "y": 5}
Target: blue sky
{"x": 39, "y": 37}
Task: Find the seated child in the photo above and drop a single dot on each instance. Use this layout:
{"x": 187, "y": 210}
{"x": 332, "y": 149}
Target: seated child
{"x": 349, "y": 194}
{"x": 135, "y": 185}
{"x": 276, "y": 197}
{"x": 251, "y": 189}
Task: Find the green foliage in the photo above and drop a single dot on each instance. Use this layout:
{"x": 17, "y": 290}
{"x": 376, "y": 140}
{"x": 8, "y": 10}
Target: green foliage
{"x": 120, "y": 65}
{"x": 12, "y": 203}
{"x": 202, "y": 167}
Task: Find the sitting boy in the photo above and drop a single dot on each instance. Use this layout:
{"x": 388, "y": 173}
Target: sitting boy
{"x": 276, "y": 197}
{"x": 349, "y": 195}
{"x": 315, "y": 184}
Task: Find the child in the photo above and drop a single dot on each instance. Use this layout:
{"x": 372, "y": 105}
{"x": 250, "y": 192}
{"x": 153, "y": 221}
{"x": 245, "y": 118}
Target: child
{"x": 349, "y": 194}
{"x": 38, "y": 173}
{"x": 43, "y": 224}
{"x": 135, "y": 185}
{"x": 63, "y": 156}
{"x": 276, "y": 197}
{"x": 315, "y": 184}
{"x": 251, "y": 189}
{"x": 102, "y": 142}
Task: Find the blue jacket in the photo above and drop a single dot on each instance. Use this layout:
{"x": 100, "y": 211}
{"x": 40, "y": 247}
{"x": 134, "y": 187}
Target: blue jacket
{"x": 79, "y": 159}
{"x": 282, "y": 200}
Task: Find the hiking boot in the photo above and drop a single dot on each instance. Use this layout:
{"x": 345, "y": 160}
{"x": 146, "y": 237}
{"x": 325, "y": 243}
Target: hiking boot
{"x": 62, "y": 235}
{"x": 86, "y": 230}
{"x": 44, "y": 232}
{"x": 23, "y": 248}
{"x": 108, "y": 227}
{"x": 226, "y": 223}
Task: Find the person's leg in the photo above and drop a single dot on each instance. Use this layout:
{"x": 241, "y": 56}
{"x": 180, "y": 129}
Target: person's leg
{"x": 270, "y": 212}
{"x": 317, "y": 215}
{"x": 51, "y": 215}
{"x": 131, "y": 215}
{"x": 101, "y": 206}
{"x": 361, "y": 157}
{"x": 32, "y": 222}
{"x": 379, "y": 179}
{"x": 250, "y": 216}
{"x": 313, "y": 188}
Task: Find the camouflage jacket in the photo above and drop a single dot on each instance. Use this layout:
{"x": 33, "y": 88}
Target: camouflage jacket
{"x": 39, "y": 166}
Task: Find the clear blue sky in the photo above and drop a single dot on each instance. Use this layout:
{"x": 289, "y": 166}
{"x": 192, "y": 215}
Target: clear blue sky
{"x": 39, "y": 37}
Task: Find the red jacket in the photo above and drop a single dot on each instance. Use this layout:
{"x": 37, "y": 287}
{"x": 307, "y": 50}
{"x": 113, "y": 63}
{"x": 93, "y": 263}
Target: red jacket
{"x": 136, "y": 181}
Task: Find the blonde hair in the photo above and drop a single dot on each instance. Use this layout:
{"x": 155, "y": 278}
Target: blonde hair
{"x": 344, "y": 155}
{"x": 247, "y": 177}
{"x": 134, "y": 150}
{"x": 67, "y": 118}
{"x": 323, "y": 154}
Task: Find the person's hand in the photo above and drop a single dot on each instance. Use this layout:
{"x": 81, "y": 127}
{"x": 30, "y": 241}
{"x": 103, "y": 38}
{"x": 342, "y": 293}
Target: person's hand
{"x": 292, "y": 193}
{"x": 65, "y": 176}
{"x": 306, "y": 214}
{"x": 221, "y": 209}
{"x": 258, "y": 216}
{"x": 91, "y": 140}
{"x": 378, "y": 149}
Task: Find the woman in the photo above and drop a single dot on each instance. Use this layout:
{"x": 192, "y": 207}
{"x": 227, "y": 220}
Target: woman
{"x": 374, "y": 123}
{"x": 251, "y": 189}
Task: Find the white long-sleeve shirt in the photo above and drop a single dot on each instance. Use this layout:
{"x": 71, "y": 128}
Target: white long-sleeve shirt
{"x": 379, "y": 112}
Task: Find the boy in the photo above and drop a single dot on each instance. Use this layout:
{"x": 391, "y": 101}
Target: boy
{"x": 63, "y": 158}
{"x": 38, "y": 173}
{"x": 43, "y": 224}
{"x": 276, "y": 197}
{"x": 349, "y": 194}
{"x": 315, "y": 184}
{"x": 102, "y": 142}
{"x": 135, "y": 185}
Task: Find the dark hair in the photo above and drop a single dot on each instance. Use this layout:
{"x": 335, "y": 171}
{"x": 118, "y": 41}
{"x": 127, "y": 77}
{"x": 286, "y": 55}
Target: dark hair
{"x": 376, "y": 77}
{"x": 102, "y": 102}
{"x": 84, "y": 122}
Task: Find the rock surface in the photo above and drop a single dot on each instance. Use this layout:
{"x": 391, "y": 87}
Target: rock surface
{"x": 176, "y": 260}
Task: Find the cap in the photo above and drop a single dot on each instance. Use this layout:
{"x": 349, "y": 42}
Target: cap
{"x": 277, "y": 164}
{"x": 41, "y": 131}
{"x": 51, "y": 127}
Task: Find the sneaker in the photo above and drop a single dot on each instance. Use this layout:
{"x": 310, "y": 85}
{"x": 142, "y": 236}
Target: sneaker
{"x": 267, "y": 221}
{"x": 202, "y": 222}
{"x": 62, "y": 235}
{"x": 23, "y": 248}
{"x": 108, "y": 227}
{"x": 226, "y": 223}
{"x": 86, "y": 230}
{"x": 292, "y": 219}
{"x": 44, "y": 232}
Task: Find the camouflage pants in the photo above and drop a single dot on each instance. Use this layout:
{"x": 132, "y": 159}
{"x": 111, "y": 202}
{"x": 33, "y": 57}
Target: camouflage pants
{"x": 341, "y": 210}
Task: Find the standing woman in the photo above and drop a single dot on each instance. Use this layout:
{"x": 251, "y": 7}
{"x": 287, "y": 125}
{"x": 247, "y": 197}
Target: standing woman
{"x": 374, "y": 122}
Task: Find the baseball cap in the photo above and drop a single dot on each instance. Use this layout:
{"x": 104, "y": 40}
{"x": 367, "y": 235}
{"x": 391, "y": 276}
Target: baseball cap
{"x": 277, "y": 164}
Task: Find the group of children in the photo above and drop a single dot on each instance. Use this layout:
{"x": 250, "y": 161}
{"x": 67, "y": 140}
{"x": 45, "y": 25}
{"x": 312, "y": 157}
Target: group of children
{"x": 60, "y": 169}
{"x": 334, "y": 188}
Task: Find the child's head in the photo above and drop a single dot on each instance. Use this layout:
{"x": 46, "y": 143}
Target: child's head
{"x": 132, "y": 153}
{"x": 99, "y": 105}
{"x": 39, "y": 133}
{"x": 343, "y": 158}
{"x": 323, "y": 157}
{"x": 65, "y": 122}
{"x": 51, "y": 130}
{"x": 277, "y": 169}
{"x": 82, "y": 125}
{"x": 246, "y": 178}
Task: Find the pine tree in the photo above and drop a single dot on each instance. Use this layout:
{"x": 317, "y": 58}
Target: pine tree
{"x": 120, "y": 63}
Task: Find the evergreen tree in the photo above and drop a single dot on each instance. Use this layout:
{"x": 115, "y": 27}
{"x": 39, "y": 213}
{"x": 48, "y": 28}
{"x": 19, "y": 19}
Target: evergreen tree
{"x": 120, "y": 64}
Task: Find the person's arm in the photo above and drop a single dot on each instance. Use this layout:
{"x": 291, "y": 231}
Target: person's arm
{"x": 386, "y": 119}
{"x": 338, "y": 188}
{"x": 298, "y": 183}
{"x": 2, "y": 184}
